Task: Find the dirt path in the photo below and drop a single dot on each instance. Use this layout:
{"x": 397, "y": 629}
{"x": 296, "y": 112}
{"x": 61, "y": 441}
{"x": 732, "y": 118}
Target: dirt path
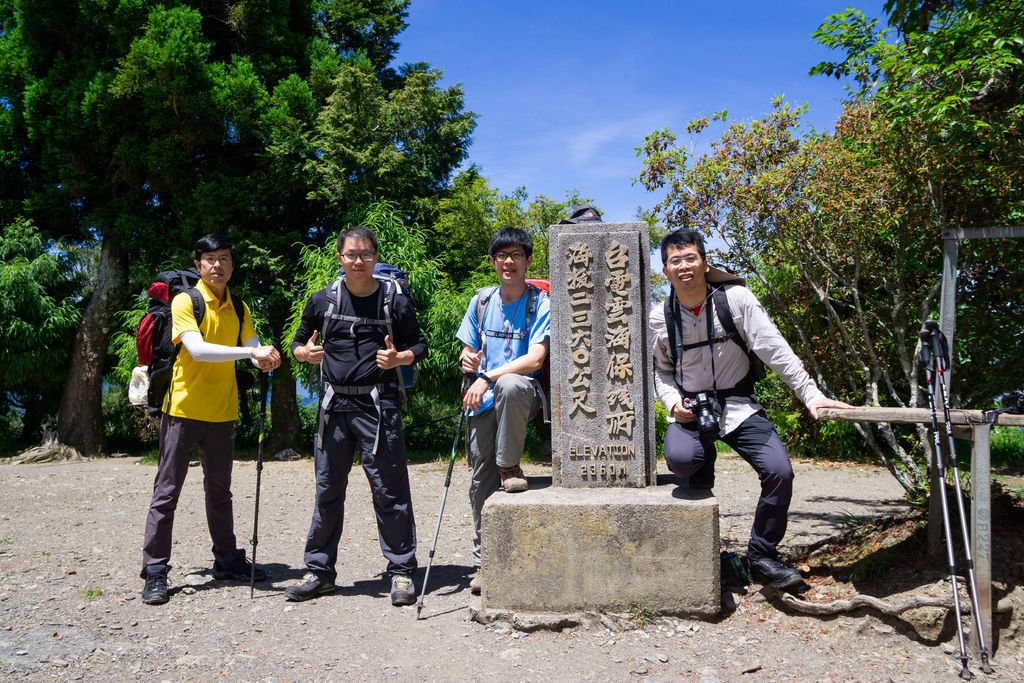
{"x": 70, "y": 537}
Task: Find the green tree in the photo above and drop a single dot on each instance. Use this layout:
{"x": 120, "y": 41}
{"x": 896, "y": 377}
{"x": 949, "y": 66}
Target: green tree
{"x": 952, "y": 88}
{"x": 40, "y": 286}
{"x": 139, "y": 126}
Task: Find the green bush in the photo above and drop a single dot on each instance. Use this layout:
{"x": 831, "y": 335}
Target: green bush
{"x": 1007, "y": 446}
{"x": 660, "y": 428}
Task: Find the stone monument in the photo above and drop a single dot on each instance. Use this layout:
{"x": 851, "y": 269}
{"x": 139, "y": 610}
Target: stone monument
{"x": 605, "y": 536}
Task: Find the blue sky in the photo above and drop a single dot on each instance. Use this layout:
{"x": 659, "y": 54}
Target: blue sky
{"x": 565, "y": 91}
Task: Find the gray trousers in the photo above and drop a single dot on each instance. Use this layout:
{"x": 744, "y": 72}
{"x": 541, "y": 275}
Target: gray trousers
{"x": 496, "y": 439}
{"x": 758, "y": 443}
{"x": 216, "y": 443}
{"x": 345, "y": 434}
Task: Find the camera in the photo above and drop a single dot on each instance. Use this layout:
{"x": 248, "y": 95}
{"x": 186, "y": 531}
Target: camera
{"x": 707, "y": 410}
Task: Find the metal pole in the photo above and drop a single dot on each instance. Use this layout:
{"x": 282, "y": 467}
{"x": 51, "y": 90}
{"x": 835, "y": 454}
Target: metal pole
{"x": 981, "y": 539}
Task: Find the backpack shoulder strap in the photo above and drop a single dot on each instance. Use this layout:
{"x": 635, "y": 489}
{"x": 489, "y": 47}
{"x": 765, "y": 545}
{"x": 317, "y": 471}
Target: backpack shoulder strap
{"x": 483, "y": 297}
{"x": 724, "y": 313}
{"x": 198, "y": 305}
{"x": 239, "y": 306}
{"x": 674, "y": 326}
{"x": 756, "y": 371}
{"x": 532, "y": 304}
{"x": 333, "y": 304}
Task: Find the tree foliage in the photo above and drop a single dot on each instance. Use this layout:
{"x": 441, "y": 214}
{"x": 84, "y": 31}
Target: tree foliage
{"x": 841, "y": 232}
{"x": 41, "y": 287}
{"x": 138, "y": 126}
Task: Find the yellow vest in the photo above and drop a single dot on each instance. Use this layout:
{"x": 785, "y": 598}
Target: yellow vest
{"x": 199, "y": 390}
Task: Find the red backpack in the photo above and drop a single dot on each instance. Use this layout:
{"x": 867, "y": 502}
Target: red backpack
{"x": 153, "y": 345}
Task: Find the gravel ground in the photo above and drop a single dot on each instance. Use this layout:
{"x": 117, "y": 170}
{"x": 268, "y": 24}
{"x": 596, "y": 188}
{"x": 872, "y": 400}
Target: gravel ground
{"x": 70, "y": 537}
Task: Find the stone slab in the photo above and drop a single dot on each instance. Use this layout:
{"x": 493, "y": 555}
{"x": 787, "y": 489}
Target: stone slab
{"x": 558, "y": 550}
{"x": 601, "y": 382}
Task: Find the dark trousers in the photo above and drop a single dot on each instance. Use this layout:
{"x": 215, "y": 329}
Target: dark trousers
{"x": 758, "y": 443}
{"x": 388, "y": 475}
{"x": 216, "y": 443}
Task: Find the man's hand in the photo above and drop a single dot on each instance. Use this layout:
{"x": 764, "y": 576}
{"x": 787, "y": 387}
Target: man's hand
{"x": 475, "y": 394}
{"x": 310, "y": 352}
{"x": 266, "y": 357}
{"x": 825, "y": 403}
{"x": 390, "y": 357}
{"x": 681, "y": 414}
{"x": 470, "y": 361}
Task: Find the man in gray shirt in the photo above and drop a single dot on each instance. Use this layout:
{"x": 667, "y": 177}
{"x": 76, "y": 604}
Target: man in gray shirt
{"x": 708, "y": 389}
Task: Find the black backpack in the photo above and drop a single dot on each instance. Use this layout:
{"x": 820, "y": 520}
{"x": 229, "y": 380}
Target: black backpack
{"x": 720, "y": 302}
{"x": 536, "y": 289}
{"x": 153, "y": 337}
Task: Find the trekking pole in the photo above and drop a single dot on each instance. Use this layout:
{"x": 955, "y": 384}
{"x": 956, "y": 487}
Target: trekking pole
{"x": 927, "y": 357}
{"x": 264, "y": 384}
{"x": 440, "y": 514}
{"x": 940, "y": 349}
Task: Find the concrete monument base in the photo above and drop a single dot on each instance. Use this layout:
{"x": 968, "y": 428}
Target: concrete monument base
{"x": 558, "y": 550}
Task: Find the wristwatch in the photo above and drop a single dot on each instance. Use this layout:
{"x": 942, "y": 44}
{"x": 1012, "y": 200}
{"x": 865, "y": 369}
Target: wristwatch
{"x": 483, "y": 375}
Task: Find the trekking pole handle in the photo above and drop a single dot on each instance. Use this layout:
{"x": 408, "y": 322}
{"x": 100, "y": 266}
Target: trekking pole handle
{"x": 939, "y": 346}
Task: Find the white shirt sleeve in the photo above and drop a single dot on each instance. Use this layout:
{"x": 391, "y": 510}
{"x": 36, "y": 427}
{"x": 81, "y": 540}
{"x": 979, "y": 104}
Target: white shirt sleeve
{"x": 203, "y": 351}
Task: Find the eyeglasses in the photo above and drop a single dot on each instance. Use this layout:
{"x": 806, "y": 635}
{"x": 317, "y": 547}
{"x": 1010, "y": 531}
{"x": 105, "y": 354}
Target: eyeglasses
{"x": 359, "y": 256}
{"x": 516, "y": 256}
{"x": 214, "y": 260}
{"x": 690, "y": 260}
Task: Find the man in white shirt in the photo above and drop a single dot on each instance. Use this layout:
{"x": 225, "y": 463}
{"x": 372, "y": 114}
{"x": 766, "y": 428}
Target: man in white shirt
{"x": 708, "y": 389}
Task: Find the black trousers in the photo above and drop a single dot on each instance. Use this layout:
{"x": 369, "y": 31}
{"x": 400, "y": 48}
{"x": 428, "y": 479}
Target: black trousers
{"x": 216, "y": 443}
{"x": 758, "y": 443}
{"x": 346, "y": 434}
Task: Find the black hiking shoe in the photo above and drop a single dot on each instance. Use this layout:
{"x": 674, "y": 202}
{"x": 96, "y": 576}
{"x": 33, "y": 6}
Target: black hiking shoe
{"x": 403, "y": 590}
{"x": 155, "y": 590}
{"x": 772, "y": 572}
{"x": 313, "y": 588}
{"x": 239, "y": 569}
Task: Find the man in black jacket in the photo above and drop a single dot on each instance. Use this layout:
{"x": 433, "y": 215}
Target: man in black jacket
{"x": 359, "y": 330}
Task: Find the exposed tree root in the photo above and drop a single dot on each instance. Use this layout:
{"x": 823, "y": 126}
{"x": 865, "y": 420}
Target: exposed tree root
{"x": 49, "y": 451}
{"x": 859, "y": 601}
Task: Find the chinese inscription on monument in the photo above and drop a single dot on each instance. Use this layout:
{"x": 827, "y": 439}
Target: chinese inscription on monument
{"x": 602, "y": 432}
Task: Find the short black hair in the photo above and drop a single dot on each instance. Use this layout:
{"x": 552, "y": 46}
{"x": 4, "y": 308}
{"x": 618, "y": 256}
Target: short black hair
{"x": 212, "y": 242}
{"x": 680, "y": 238}
{"x": 358, "y": 232}
{"x": 511, "y": 237}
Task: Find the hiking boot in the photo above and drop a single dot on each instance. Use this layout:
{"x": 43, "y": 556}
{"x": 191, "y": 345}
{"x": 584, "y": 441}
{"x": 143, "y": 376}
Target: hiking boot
{"x": 771, "y": 572}
{"x": 239, "y": 569}
{"x": 313, "y": 588}
{"x": 403, "y": 590}
{"x": 512, "y": 479}
{"x": 476, "y": 583}
{"x": 155, "y": 591}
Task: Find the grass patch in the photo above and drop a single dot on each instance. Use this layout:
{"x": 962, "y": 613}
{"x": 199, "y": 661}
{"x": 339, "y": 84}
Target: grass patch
{"x": 92, "y": 593}
{"x": 641, "y": 614}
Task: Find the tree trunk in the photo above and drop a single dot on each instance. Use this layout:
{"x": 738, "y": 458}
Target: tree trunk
{"x": 80, "y": 418}
{"x": 284, "y": 435}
